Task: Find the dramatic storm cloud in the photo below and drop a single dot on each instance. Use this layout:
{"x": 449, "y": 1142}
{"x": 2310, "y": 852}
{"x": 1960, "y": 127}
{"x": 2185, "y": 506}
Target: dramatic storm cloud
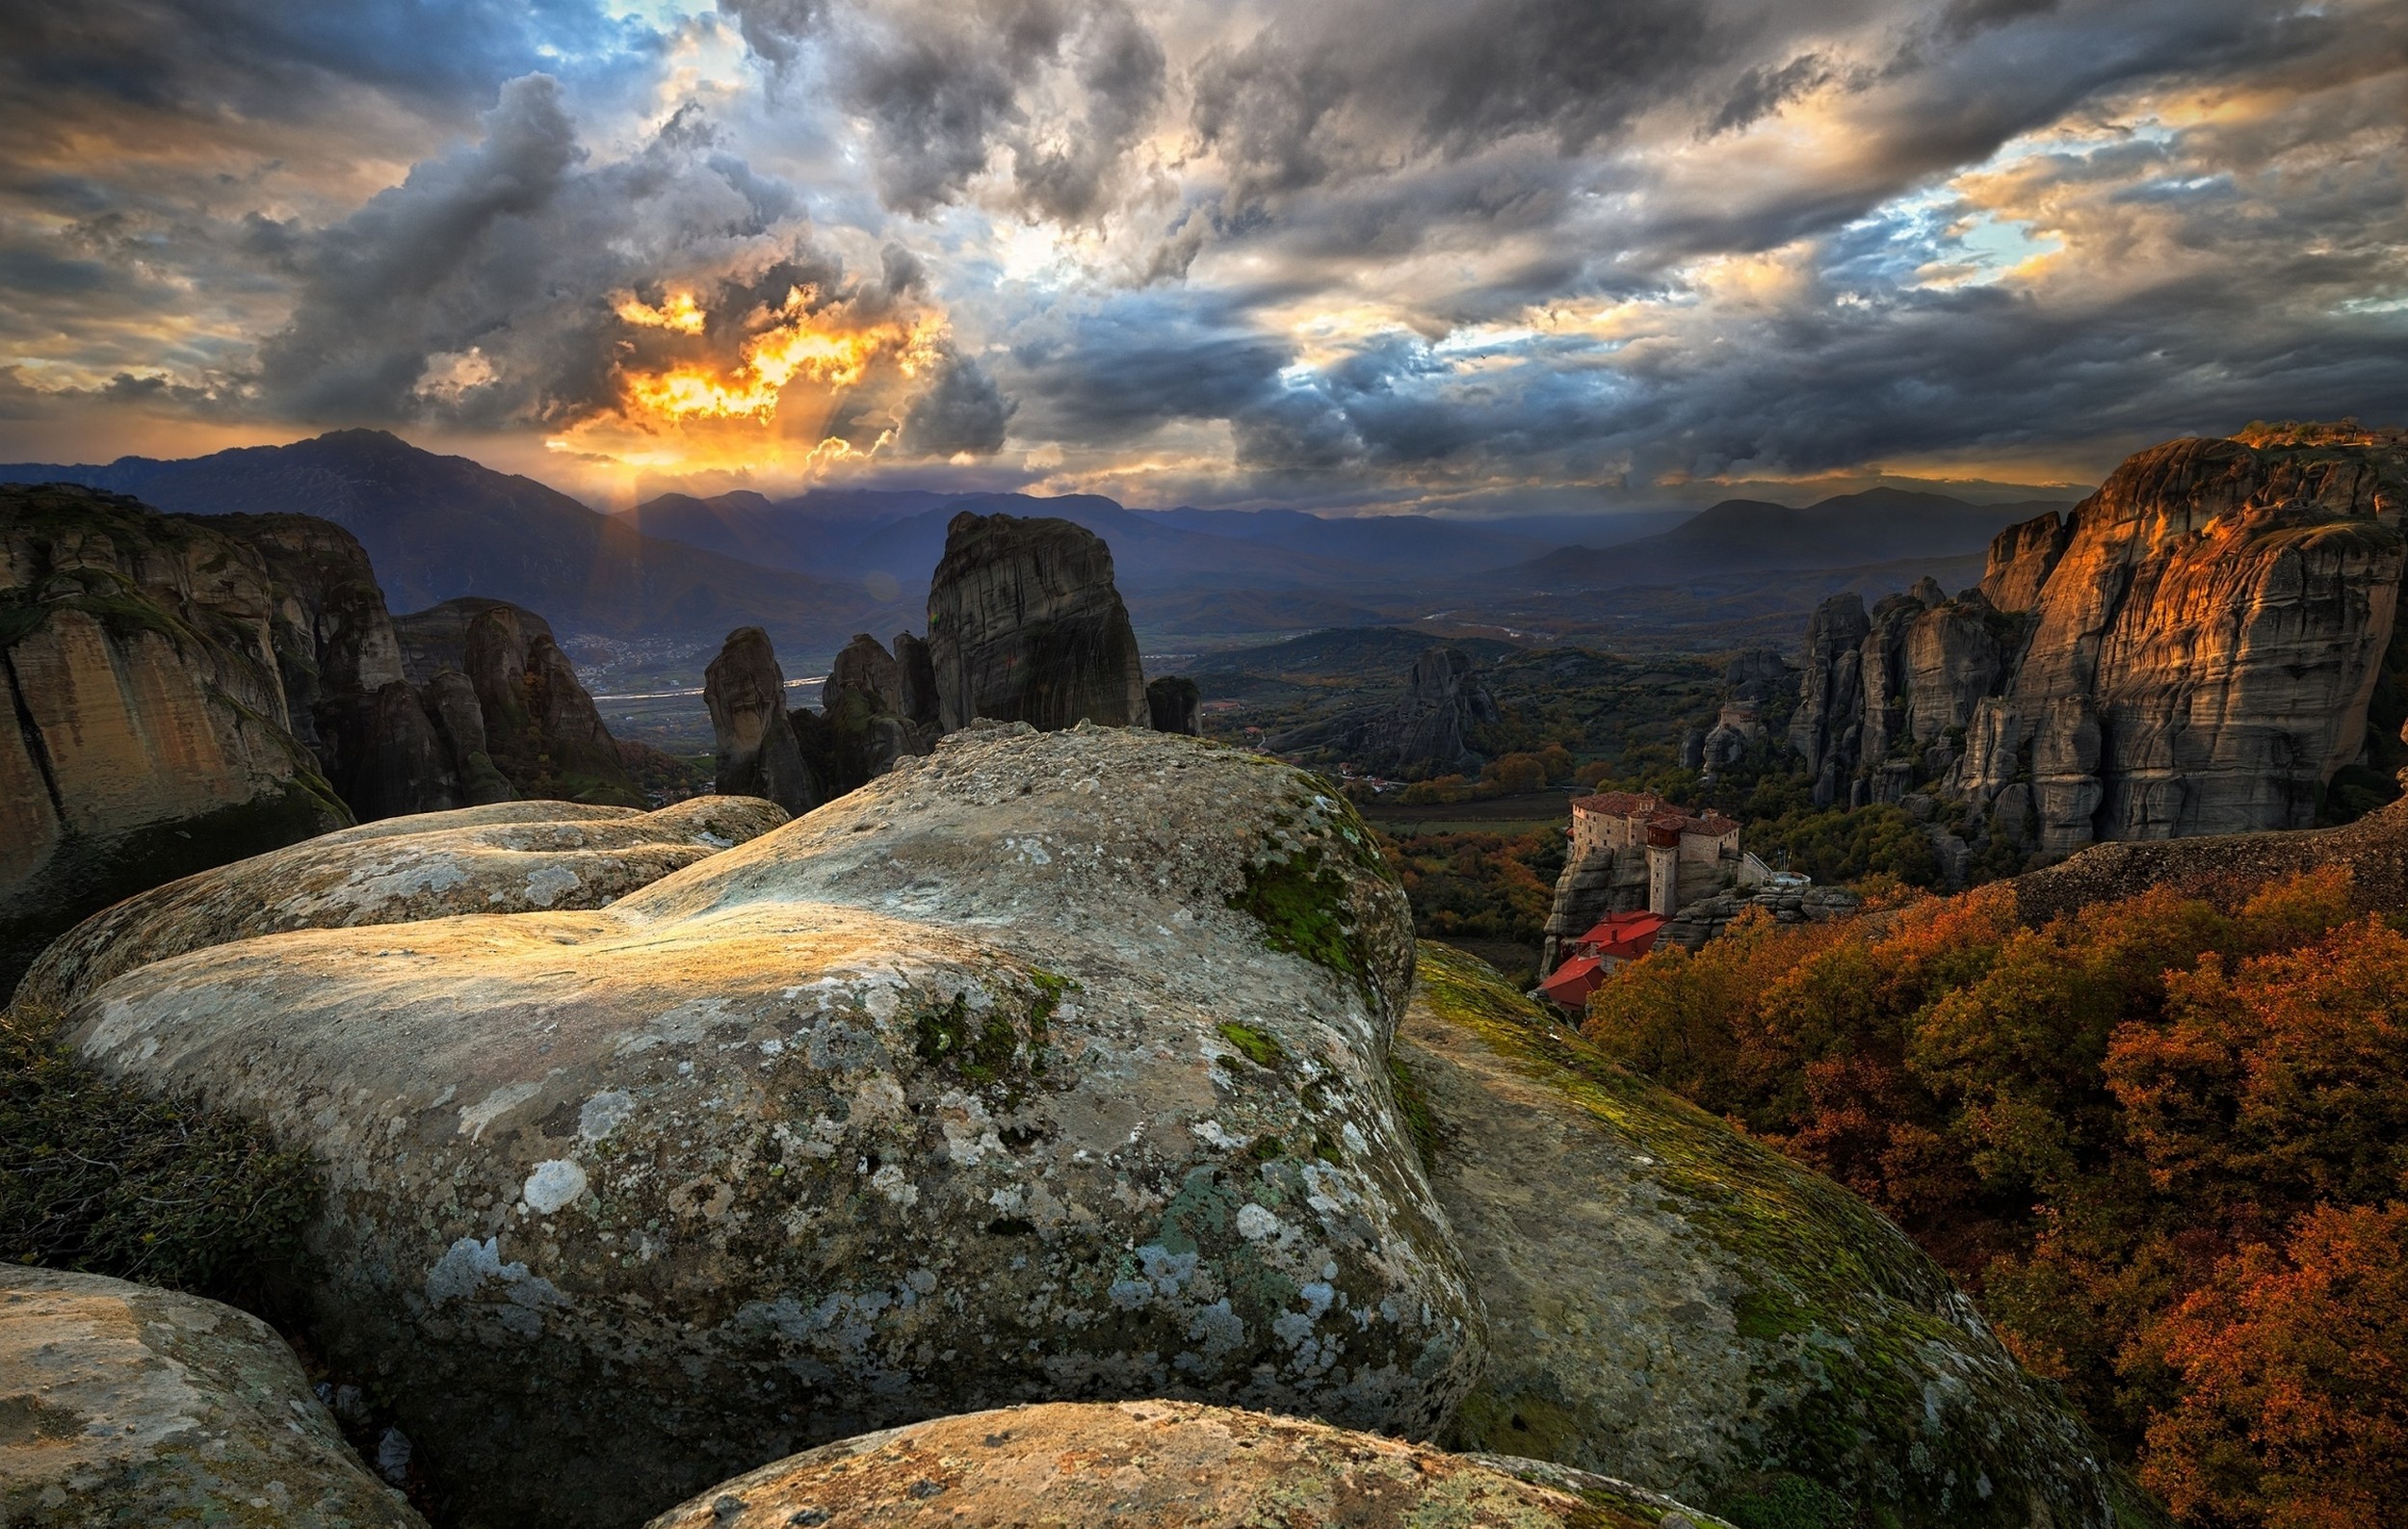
{"x": 1366, "y": 251}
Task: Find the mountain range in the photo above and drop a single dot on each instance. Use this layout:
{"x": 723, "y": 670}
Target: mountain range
{"x": 814, "y": 568}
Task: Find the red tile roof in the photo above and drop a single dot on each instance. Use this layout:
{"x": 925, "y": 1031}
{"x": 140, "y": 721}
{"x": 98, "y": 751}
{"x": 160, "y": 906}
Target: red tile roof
{"x": 1627, "y": 936}
{"x": 1620, "y": 803}
{"x": 1573, "y": 982}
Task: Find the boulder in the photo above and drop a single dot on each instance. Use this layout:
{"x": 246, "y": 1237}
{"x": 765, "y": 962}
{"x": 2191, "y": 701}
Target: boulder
{"x": 1173, "y": 705}
{"x": 124, "y": 1404}
{"x": 1026, "y": 625}
{"x": 759, "y": 753}
{"x": 1049, "y": 1066}
{"x": 508, "y": 858}
{"x": 1670, "y": 1303}
{"x": 1162, "y": 1465}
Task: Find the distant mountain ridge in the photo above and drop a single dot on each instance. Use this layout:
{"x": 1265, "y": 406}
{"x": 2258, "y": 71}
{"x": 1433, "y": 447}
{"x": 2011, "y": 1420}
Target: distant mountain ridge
{"x": 439, "y": 527}
{"x": 1877, "y": 526}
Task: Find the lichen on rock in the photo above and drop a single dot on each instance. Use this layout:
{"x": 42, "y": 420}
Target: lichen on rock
{"x": 1672, "y": 1302}
{"x": 918, "y": 1105}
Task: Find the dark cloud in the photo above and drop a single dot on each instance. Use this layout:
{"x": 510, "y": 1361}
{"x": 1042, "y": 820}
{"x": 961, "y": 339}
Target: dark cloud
{"x": 944, "y": 85}
{"x": 961, "y": 411}
{"x": 1116, "y": 370}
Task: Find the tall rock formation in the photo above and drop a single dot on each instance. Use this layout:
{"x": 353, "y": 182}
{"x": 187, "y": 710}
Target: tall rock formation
{"x": 148, "y": 733}
{"x": 1429, "y": 732}
{"x": 1175, "y": 704}
{"x": 1025, "y": 625}
{"x": 541, "y": 729}
{"x": 2190, "y": 652}
{"x": 758, "y": 754}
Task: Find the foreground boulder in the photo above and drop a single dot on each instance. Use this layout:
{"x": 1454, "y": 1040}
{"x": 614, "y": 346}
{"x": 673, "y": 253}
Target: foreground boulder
{"x": 1046, "y": 1067}
{"x": 1162, "y": 1465}
{"x": 1670, "y": 1303}
{"x": 506, "y": 858}
{"x": 124, "y": 1404}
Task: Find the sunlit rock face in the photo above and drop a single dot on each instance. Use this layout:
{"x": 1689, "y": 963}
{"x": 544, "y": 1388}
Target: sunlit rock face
{"x": 1026, "y": 625}
{"x": 2191, "y": 652}
{"x": 513, "y": 858}
{"x": 1048, "y": 1066}
{"x": 125, "y": 1405}
{"x": 148, "y": 733}
{"x": 1163, "y": 1465}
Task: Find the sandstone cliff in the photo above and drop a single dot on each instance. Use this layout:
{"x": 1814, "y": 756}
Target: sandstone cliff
{"x": 2191, "y": 651}
{"x": 1025, "y": 625}
{"x": 1429, "y": 732}
{"x": 149, "y": 734}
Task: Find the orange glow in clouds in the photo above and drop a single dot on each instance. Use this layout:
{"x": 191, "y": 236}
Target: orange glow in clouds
{"x": 805, "y": 342}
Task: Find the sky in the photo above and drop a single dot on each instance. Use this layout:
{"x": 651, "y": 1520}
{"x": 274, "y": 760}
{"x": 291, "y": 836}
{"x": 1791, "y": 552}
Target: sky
{"x": 1453, "y": 256}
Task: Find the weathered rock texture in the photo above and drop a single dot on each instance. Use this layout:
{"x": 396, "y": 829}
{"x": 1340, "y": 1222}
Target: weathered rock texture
{"x": 513, "y": 858}
{"x": 1672, "y": 1304}
{"x": 1025, "y": 625}
{"x": 1049, "y": 1065}
{"x": 1427, "y": 732}
{"x": 147, "y": 732}
{"x": 122, "y": 1405}
{"x": 2191, "y": 652}
{"x": 1163, "y": 1465}
{"x": 435, "y": 640}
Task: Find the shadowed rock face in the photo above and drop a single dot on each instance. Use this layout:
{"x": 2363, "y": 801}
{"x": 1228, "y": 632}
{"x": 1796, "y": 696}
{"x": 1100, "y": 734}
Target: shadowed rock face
{"x": 1163, "y": 1465}
{"x": 1425, "y": 732}
{"x": 1025, "y": 625}
{"x": 1052, "y": 1063}
{"x": 2191, "y": 652}
{"x": 918, "y": 675}
{"x": 541, "y": 730}
{"x": 1174, "y": 705}
{"x": 758, "y": 753}
{"x": 124, "y": 1404}
{"x": 147, "y": 732}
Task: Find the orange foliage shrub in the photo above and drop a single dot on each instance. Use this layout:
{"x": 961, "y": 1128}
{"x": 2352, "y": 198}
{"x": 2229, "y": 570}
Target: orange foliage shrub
{"x": 2104, "y": 1126}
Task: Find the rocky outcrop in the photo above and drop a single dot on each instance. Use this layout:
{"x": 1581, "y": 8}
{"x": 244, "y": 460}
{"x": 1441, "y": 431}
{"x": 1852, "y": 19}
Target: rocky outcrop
{"x": 758, "y": 754}
{"x": 1163, "y": 1465}
{"x": 541, "y": 730}
{"x": 1173, "y": 705}
{"x": 865, "y": 666}
{"x": 2191, "y": 652}
{"x": 516, "y": 857}
{"x": 1050, "y": 1064}
{"x": 1675, "y": 1304}
{"x": 1427, "y": 732}
{"x": 124, "y": 1404}
{"x": 1755, "y": 683}
{"x": 435, "y": 640}
{"x": 148, "y": 733}
{"x": 918, "y": 674}
{"x": 1696, "y": 922}
{"x": 1025, "y": 625}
